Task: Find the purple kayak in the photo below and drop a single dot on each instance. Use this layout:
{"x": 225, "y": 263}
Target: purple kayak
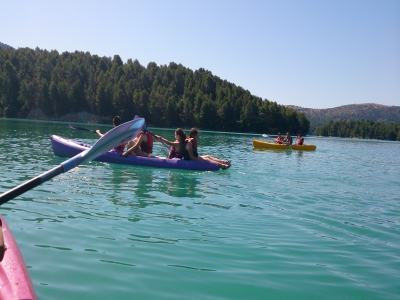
{"x": 64, "y": 147}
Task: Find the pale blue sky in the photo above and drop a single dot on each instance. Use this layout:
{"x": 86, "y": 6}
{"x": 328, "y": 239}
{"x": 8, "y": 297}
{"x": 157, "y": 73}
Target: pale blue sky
{"x": 310, "y": 53}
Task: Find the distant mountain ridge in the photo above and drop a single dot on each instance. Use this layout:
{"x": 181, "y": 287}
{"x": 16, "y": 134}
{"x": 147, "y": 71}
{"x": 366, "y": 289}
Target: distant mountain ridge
{"x": 366, "y": 111}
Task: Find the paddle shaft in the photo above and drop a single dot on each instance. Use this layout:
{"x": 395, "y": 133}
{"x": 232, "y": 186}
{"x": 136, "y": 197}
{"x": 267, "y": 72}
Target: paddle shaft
{"x": 81, "y": 128}
{"x": 34, "y": 182}
{"x": 157, "y": 138}
{"x": 267, "y": 136}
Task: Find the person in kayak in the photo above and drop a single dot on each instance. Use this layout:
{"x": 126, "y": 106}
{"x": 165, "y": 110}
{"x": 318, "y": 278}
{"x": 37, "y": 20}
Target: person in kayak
{"x": 116, "y": 122}
{"x": 190, "y": 151}
{"x": 300, "y": 139}
{"x": 279, "y": 139}
{"x": 288, "y": 141}
{"x": 142, "y": 145}
{"x": 176, "y": 150}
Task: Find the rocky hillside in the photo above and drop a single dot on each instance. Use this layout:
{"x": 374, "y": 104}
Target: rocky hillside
{"x": 367, "y": 111}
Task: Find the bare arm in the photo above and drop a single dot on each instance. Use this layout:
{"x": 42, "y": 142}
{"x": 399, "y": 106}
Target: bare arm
{"x": 99, "y": 133}
{"x": 165, "y": 141}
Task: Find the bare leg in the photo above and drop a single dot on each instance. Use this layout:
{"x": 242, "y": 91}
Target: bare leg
{"x": 140, "y": 152}
{"x": 217, "y": 160}
{"x": 222, "y": 164}
{"x": 130, "y": 144}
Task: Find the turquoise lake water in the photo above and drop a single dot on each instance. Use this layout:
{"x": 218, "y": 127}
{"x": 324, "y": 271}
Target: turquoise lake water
{"x": 276, "y": 225}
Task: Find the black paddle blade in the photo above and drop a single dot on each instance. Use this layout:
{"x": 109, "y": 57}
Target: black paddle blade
{"x": 80, "y": 128}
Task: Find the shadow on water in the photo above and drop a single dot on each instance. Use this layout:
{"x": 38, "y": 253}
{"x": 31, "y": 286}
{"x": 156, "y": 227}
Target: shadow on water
{"x": 271, "y": 150}
{"x": 298, "y": 153}
{"x": 180, "y": 185}
{"x": 139, "y": 186}
{"x": 134, "y": 183}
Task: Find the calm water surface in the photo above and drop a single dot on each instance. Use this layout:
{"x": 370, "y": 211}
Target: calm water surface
{"x": 276, "y": 225}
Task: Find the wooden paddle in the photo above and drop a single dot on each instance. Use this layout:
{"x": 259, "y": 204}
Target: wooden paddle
{"x": 113, "y": 138}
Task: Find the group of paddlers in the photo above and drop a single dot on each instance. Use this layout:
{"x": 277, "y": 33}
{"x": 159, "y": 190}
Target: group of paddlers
{"x": 181, "y": 148}
{"x": 287, "y": 140}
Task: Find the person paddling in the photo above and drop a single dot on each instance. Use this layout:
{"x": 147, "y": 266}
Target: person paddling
{"x": 279, "y": 139}
{"x": 176, "y": 150}
{"x": 190, "y": 151}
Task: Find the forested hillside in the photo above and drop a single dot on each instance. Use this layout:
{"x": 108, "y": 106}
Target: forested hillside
{"x": 166, "y": 96}
{"x": 360, "y": 129}
{"x": 356, "y": 112}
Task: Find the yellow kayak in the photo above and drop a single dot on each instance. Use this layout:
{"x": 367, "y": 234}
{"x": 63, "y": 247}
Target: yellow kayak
{"x": 304, "y": 147}
{"x": 263, "y": 144}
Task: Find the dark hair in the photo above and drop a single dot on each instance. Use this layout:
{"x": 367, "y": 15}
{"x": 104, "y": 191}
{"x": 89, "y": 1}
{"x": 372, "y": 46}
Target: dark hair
{"x": 193, "y": 132}
{"x": 117, "y": 120}
{"x": 181, "y": 133}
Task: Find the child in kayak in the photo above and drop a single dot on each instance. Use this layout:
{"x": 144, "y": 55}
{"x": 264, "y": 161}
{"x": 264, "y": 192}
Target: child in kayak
{"x": 190, "y": 151}
{"x": 176, "y": 150}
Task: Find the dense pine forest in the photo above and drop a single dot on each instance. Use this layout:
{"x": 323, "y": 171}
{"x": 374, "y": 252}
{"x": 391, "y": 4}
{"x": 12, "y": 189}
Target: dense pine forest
{"x": 167, "y": 96}
{"x": 360, "y": 129}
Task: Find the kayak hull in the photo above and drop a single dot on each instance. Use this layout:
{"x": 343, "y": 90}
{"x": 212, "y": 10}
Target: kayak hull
{"x": 15, "y": 282}
{"x": 304, "y": 147}
{"x": 64, "y": 147}
{"x": 263, "y": 144}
